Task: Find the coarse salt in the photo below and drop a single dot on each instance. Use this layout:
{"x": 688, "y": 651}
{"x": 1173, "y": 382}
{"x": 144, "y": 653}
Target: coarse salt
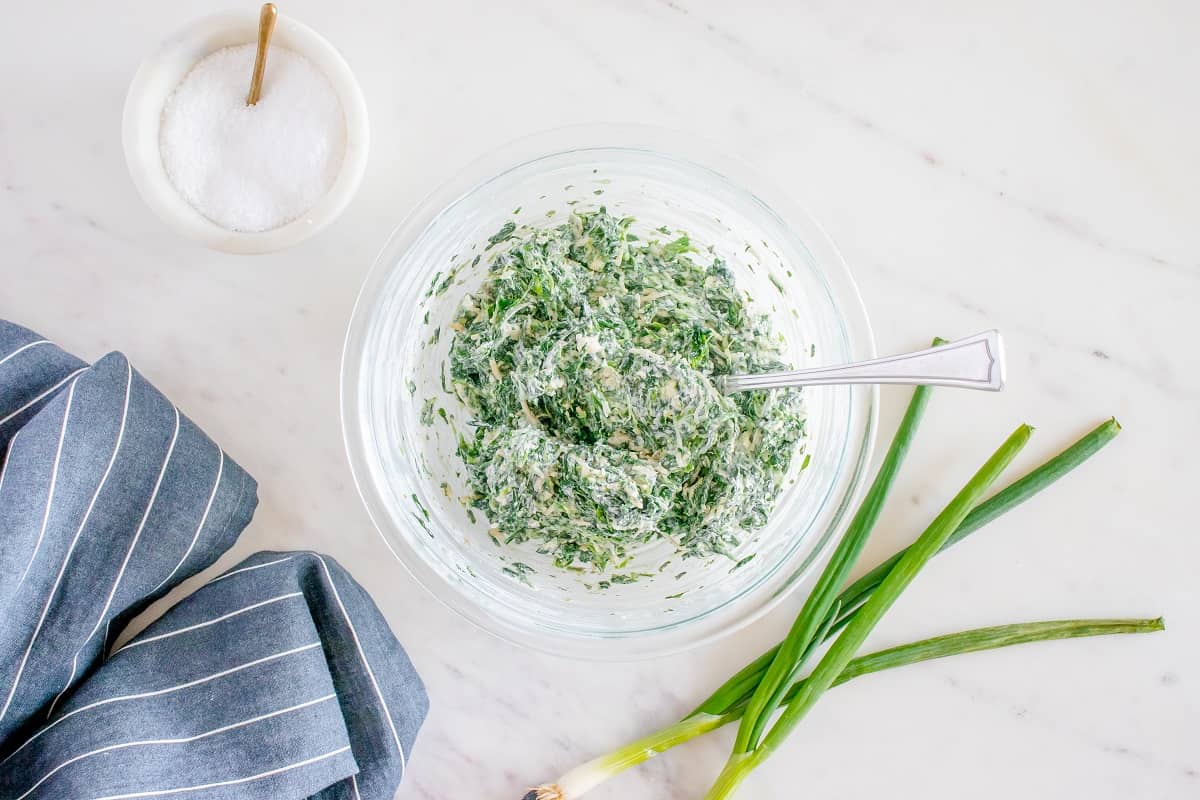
{"x": 253, "y": 168}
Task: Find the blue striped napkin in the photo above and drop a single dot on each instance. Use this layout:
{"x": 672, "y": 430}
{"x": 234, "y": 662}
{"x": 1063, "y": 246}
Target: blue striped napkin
{"x": 278, "y": 679}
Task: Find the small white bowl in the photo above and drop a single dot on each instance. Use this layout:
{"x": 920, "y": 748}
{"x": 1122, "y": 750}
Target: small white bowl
{"x": 163, "y": 70}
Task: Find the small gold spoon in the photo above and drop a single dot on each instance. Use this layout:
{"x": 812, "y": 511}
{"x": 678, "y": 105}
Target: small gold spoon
{"x": 266, "y": 26}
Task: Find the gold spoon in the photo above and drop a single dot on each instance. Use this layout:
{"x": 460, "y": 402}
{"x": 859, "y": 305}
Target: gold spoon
{"x": 266, "y": 26}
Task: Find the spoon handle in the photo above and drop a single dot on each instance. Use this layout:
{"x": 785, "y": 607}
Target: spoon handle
{"x": 266, "y": 26}
{"x": 976, "y": 362}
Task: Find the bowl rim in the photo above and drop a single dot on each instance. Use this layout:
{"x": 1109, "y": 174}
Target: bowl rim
{"x": 664, "y": 143}
{"x": 142, "y": 113}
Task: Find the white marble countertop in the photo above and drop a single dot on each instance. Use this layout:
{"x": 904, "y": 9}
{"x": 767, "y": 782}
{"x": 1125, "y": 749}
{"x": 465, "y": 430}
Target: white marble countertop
{"x": 1028, "y": 166}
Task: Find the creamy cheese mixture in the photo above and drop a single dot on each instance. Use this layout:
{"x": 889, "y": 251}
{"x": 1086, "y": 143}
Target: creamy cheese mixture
{"x": 586, "y": 360}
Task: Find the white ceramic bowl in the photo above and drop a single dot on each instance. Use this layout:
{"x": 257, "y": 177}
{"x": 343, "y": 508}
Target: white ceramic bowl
{"x": 412, "y": 480}
{"x": 162, "y": 71}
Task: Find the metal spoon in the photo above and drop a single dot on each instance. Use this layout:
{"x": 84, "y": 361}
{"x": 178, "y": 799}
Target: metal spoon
{"x": 976, "y": 362}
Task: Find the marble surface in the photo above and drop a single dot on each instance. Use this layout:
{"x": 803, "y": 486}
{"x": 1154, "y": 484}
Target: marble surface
{"x": 1029, "y": 166}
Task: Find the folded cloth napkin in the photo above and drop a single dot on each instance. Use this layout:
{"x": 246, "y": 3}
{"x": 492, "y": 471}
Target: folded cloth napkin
{"x": 278, "y": 679}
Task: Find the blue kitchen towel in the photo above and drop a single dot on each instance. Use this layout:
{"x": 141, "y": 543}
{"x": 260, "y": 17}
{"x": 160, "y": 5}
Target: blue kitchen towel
{"x": 278, "y": 679}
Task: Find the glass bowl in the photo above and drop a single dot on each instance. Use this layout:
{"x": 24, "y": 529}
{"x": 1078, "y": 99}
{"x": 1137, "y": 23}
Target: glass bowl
{"x": 413, "y": 482}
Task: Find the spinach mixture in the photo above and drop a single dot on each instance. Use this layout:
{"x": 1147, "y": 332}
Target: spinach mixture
{"x": 586, "y": 360}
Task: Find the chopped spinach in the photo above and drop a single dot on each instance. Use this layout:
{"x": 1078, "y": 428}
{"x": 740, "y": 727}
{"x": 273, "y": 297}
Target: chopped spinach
{"x": 586, "y": 361}
{"x": 503, "y": 234}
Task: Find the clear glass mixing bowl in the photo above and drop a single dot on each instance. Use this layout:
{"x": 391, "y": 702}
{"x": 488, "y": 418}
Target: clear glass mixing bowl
{"x": 412, "y": 481}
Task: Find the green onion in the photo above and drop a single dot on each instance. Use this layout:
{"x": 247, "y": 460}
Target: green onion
{"x": 997, "y": 636}
{"x": 737, "y": 688}
{"x": 798, "y": 644}
{"x": 1004, "y": 500}
{"x": 587, "y": 776}
{"x": 729, "y": 702}
{"x": 741, "y": 762}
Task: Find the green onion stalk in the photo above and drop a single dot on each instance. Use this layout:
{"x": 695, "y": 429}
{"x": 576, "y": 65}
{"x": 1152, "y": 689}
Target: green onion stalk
{"x": 587, "y": 776}
{"x": 748, "y": 752}
{"x": 730, "y": 701}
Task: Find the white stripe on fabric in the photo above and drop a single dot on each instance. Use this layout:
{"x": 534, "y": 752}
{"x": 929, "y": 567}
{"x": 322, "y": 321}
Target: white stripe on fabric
{"x": 159, "y": 692}
{"x": 247, "y": 569}
{"x": 67, "y": 685}
{"x": 42, "y": 396}
{"x": 222, "y": 618}
{"x": 370, "y": 673}
{"x": 136, "y": 535}
{"x": 12, "y": 691}
{"x": 354, "y": 783}
{"x": 103, "y": 646}
{"x": 232, "y": 782}
{"x": 62, "y": 437}
{"x": 179, "y": 740}
{"x": 203, "y": 519}
{"x": 8, "y": 457}
{"x": 87, "y": 516}
{"x": 22, "y": 349}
